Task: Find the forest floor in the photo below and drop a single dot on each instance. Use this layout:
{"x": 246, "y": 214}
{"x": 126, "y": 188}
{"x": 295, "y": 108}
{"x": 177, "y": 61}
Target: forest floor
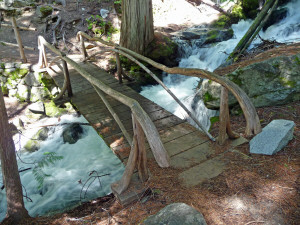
{"x": 254, "y": 189}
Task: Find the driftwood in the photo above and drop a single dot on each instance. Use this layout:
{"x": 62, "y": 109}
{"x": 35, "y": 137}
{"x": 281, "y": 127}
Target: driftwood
{"x": 253, "y": 125}
{"x": 16, "y": 45}
{"x": 241, "y": 47}
{"x": 225, "y": 127}
{"x": 137, "y": 158}
{"x": 150, "y": 130}
{"x": 19, "y": 41}
{"x": 20, "y": 27}
{"x": 119, "y": 68}
{"x": 54, "y": 30}
{"x": 161, "y": 83}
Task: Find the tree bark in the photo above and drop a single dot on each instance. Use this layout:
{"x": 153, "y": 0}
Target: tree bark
{"x": 11, "y": 179}
{"x": 137, "y": 25}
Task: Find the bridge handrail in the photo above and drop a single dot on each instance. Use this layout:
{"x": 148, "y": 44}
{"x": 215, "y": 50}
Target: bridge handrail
{"x": 140, "y": 117}
{"x": 252, "y": 120}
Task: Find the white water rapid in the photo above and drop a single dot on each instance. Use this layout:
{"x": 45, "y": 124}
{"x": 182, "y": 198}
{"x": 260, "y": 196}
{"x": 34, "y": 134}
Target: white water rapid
{"x": 212, "y": 56}
{"x": 61, "y": 190}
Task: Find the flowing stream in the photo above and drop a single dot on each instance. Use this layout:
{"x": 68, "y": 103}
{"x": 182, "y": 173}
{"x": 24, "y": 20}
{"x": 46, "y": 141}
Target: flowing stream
{"x": 61, "y": 190}
{"x": 211, "y": 57}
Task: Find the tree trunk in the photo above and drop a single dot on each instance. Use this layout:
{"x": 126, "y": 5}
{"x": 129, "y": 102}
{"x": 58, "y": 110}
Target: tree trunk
{"x": 11, "y": 179}
{"x": 252, "y": 29}
{"x": 137, "y": 25}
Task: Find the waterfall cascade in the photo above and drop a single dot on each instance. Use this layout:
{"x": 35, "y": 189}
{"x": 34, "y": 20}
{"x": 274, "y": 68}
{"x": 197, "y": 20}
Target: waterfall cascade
{"x": 210, "y": 57}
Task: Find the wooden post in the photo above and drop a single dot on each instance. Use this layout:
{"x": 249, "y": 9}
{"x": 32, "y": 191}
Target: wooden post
{"x": 84, "y": 53}
{"x": 67, "y": 77}
{"x": 119, "y": 68}
{"x": 225, "y": 127}
{"x": 19, "y": 41}
{"x": 121, "y": 185}
{"x": 142, "y": 154}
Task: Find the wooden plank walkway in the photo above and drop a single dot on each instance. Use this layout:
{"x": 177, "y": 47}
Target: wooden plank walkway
{"x": 177, "y": 135}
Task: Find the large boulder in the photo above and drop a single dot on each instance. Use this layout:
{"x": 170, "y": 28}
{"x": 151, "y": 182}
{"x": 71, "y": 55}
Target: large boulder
{"x": 203, "y": 35}
{"x": 275, "y": 81}
{"x": 72, "y": 133}
{"x": 176, "y": 214}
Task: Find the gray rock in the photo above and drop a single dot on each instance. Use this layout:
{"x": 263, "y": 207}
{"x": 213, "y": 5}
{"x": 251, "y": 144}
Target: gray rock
{"x": 7, "y": 71}
{"x": 72, "y": 133}
{"x": 202, "y": 36}
{"x": 23, "y": 92}
{"x": 104, "y": 13}
{"x": 37, "y": 108}
{"x": 176, "y": 214}
{"x": 1, "y": 70}
{"x": 43, "y": 11}
{"x": 39, "y": 93}
{"x": 273, "y": 137}
{"x": 25, "y": 66}
{"x": 31, "y": 79}
{"x": 9, "y": 65}
{"x": 3, "y": 79}
{"x": 34, "y": 143}
{"x": 275, "y": 81}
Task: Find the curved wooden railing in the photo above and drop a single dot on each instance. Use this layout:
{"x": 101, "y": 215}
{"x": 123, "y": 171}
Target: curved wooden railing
{"x": 142, "y": 124}
{"x": 252, "y": 120}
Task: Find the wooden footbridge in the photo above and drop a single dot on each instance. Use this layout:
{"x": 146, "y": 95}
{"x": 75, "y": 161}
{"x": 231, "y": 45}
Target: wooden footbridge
{"x": 124, "y": 118}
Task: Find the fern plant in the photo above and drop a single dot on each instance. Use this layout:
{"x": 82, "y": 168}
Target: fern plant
{"x": 49, "y": 158}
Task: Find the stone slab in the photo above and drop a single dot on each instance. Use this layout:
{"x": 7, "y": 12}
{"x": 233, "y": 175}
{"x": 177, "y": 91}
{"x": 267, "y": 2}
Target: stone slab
{"x": 192, "y": 156}
{"x": 273, "y": 137}
{"x": 204, "y": 171}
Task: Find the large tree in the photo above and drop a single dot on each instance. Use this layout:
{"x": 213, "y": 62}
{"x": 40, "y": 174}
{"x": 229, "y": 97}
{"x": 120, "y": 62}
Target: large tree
{"x": 137, "y": 25}
{"x": 11, "y": 179}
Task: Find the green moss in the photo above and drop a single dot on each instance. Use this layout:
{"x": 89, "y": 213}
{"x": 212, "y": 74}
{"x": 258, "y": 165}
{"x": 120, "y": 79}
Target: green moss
{"x": 238, "y": 12}
{"x": 20, "y": 98}
{"x": 287, "y": 83}
{"x": 212, "y": 36}
{"x": 235, "y": 77}
{"x": 52, "y": 110}
{"x": 276, "y": 65}
{"x": 2, "y": 65}
{"x": 213, "y": 120}
{"x": 209, "y": 81}
{"x": 32, "y": 145}
{"x": 22, "y": 72}
{"x": 46, "y": 10}
{"x": 207, "y": 97}
{"x": 297, "y": 60}
{"x": 223, "y": 22}
{"x": 4, "y": 89}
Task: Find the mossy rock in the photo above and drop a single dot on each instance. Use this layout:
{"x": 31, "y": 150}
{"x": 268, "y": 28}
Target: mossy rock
{"x": 52, "y": 110}
{"x": 222, "y": 22}
{"x": 44, "y": 11}
{"x": 32, "y": 145}
{"x": 163, "y": 50}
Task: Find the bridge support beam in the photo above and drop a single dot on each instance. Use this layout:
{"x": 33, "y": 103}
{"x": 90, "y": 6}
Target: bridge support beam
{"x": 130, "y": 187}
